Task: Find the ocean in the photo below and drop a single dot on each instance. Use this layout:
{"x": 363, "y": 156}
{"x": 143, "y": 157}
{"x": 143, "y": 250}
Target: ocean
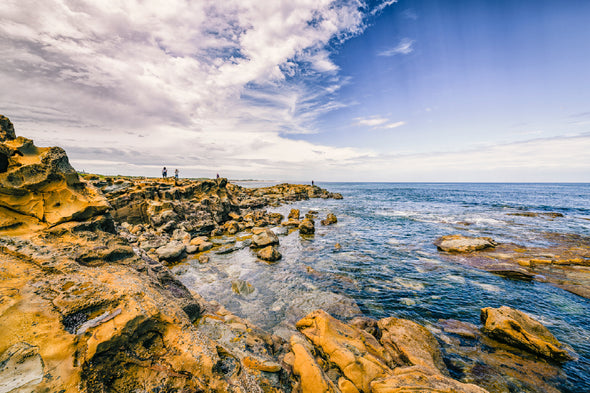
{"x": 385, "y": 263}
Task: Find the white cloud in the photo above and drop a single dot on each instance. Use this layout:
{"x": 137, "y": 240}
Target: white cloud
{"x": 370, "y": 121}
{"x": 404, "y": 47}
{"x": 382, "y": 6}
{"x": 394, "y": 125}
{"x": 216, "y": 79}
{"x": 377, "y": 122}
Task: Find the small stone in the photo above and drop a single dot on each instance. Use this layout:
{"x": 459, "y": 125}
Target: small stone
{"x": 294, "y": 214}
{"x": 307, "y": 227}
{"x": 330, "y": 219}
{"x": 269, "y": 253}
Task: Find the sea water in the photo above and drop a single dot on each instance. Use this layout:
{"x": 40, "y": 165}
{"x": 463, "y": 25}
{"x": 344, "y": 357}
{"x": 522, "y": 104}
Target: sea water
{"x": 386, "y": 263}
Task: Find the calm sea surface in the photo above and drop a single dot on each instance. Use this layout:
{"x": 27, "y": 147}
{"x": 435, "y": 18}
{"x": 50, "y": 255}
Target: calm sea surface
{"x": 388, "y": 265}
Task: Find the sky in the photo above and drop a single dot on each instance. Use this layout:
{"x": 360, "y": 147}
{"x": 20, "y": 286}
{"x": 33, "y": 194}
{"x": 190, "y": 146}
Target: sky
{"x": 329, "y": 90}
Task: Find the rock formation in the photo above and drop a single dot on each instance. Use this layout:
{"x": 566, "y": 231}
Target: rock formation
{"x": 518, "y": 329}
{"x": 565, "y": 263}
{"x": 458, "y": 243}
{"x": 82, "y": 311}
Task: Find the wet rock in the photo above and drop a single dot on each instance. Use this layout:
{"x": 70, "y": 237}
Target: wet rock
{"x": 493, "y": 365}
{"x": 294, "y": 214}
{"x": 307, "y": 227}
{"x": 269, "y": 253}
{"x": 242, "y": 287}
{"x": 518, "y": 329}
{"x": 264, "y": 239}
{"x": 357, "y": 354}
{"x": 513, "y": 273}
{"x": 409, "y": 343}
{"x": 367, "y": 324}
{"x": 312, "y": 377}
{"x": 203, "y": 258}
{"x": 191, "y": 249}
{"x": 535, "y": 214}
{"x": 330, "y": 219}
{"x": 171, "y": 251}
{"x": 459, "y": 243}
{"x": 421, "y": 379}
{"x": 291, "y": 223}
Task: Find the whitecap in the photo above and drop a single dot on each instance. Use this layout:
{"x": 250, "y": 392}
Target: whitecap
{"x": 487, "y": 287}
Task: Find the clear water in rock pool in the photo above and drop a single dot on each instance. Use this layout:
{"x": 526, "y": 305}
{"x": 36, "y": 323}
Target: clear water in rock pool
{"x": 388, "y": 266}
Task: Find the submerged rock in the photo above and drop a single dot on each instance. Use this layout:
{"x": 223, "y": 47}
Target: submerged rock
{"x": 269, "y": 253}
{"x": 330, "y": 219}
{"x": 307, "y": 227}
{"x": 518, "y": 329}
{"x": 459, "y": 243}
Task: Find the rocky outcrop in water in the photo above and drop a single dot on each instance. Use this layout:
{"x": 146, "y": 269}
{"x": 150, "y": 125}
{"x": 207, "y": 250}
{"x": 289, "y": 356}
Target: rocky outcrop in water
{"x": 459, "y": 243}
{"x": 344, "y": 358}
{"x": 565, "y": 263}
{"x": 518, "y": 329}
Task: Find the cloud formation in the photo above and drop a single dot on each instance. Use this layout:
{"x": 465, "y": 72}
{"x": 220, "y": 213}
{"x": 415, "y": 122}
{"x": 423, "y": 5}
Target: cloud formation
{"x": 201, "y": 84}
{"x": 377, "y": 122}
{"x": 404, "y": 47}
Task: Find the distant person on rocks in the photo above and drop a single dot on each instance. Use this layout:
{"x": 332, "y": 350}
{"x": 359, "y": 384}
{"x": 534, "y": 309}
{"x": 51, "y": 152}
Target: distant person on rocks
{"x": 176, "y": 173}
{"x": 218, "y": 175}
{"x": 312, "y": 183}
{"x": 164, "y": 173}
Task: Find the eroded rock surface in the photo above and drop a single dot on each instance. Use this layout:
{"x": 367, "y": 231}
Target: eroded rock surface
{"x": 565, "y": 263}
{"x": 459, "y": 243}
{"x": 516, "y": 328}
{"x": 82, "y": 310}
{"x": 406, "y": 358}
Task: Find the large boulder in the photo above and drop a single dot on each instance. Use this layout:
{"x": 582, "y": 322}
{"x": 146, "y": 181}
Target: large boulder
{"x": 171, "y": 251}
{"x": 421, "y": 379}
{"x": 38, "y": 186}
{"x": 459, "y": 243}
{"x": 330, "y": 219}
{"x": 406, "y": 359}
{"x": 411, "y": 344}
{"x": 514, "y": 327}
{"x": 359, "y": 356}
{"x": 264, "y": 238}
{"x": 269, "y": 253}
{"x": 307, "y": 227}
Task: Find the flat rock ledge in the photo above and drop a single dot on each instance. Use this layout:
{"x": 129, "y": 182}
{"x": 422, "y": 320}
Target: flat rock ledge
{"x": 460, "y": 243}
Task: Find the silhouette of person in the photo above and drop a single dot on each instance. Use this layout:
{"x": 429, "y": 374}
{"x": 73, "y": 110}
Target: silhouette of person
{"x": 218, "y": 175}
{"x": 176, "y": 173}
{"x": 164, "y": 173}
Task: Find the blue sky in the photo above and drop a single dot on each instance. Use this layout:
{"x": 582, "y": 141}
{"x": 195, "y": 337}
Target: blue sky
{"x": 334, "y": 90}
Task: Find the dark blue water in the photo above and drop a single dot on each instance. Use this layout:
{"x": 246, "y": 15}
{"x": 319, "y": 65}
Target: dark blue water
{"x": 389, "y": 266}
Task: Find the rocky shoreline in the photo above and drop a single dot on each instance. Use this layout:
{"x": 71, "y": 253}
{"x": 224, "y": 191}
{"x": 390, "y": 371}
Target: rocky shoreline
{"x": 88, "y": 303}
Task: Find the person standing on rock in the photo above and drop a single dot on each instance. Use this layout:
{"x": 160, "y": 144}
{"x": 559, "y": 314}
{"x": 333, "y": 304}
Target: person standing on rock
{"x": 176, "y": 173}
{"x": 164, "y": 173}
{"x": 218, "y": 175}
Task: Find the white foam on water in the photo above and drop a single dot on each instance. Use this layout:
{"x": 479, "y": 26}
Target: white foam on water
{"x": 407, "y": 301}
{"x": 487, "y": 287}
{"x": 408, "y": 284}
{"x": 453, "y": 278}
